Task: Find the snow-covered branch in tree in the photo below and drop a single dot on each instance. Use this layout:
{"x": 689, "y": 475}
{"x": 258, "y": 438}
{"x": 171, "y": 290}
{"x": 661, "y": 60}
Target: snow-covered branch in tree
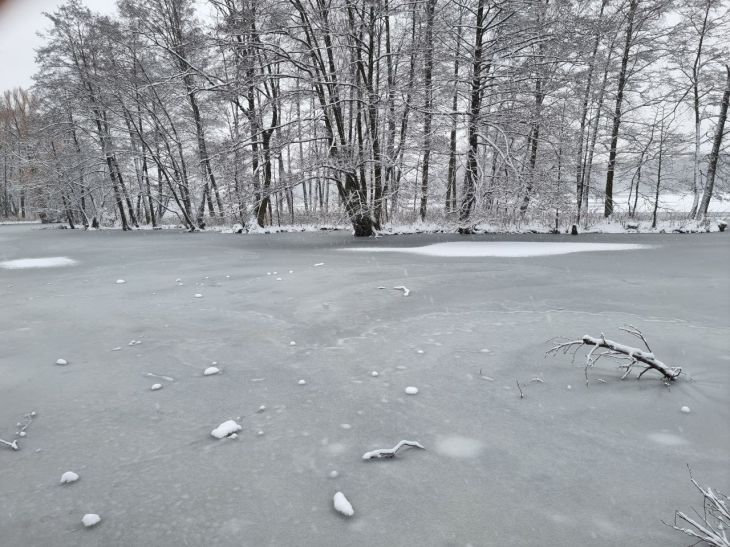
{"x": 390, "y": 452}
{"x": 710, "y": 527}
{"x": 615, "y": 350}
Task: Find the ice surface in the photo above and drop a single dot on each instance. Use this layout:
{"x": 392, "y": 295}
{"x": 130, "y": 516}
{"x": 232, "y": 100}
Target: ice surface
{"x": 342, "y": 504}
{"x": 499, "y": 470}
{"x": 225, "y": 429}
{"x": 29, "y": 263}
{"x": 516, "y": 249}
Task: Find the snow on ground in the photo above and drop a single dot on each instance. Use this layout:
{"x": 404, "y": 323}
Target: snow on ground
{"x": 597, "y": 465}
{"x": 518, "y": 249}
{"x": 27, "y": 263}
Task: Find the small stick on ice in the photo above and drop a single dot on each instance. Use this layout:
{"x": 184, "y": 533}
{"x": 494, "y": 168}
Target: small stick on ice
{"x": 342, "y": 505}
{"x": 153, "y": 375}
{"x": 383, "y": 453}
{"x": 13, "y": 445}
{"x": 522, "y": 395}
{"x": 406, "y": 290}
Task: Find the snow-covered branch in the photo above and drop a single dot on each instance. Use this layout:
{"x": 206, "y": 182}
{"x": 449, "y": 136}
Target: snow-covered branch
{"x": 632, "y": 356}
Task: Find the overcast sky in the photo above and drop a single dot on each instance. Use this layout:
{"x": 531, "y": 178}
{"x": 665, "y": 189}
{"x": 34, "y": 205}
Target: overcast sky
{"x": 20, "y": 20}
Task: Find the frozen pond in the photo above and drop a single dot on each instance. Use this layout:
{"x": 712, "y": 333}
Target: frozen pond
{"x": 297, "y": 329}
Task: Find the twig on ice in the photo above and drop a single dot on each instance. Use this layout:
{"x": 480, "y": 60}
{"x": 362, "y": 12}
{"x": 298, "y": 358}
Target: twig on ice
{"x": 406, "y": 290}
{"x": 390, "y": 452}
{"x": 522, "y": 395}
{"x": 13, "y": 445}
{"x": 616, "y": 350}
{"x": 712, "y": 525}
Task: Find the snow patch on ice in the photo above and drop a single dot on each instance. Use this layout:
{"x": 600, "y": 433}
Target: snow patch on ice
{"x": 456, "y": 446}
{"x": 27, "y": 263}
{"x": 503, "y": 249}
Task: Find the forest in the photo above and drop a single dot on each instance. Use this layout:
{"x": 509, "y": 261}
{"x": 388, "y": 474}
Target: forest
{"x": 368, "y": 112}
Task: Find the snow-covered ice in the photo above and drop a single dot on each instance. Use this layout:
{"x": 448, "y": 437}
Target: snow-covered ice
{"x": 68, "y": 477}
{"x": 343, "y": 505}
{"x": 516, "y": 249}
{"x": 90, "y": 519}
{"x": 30, "y": 263}
{"x": 225, "y": 429}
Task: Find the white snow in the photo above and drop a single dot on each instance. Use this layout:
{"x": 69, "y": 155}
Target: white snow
{"x": 333, "y": 474}
{"x": 302, "y": 382}
{"x": 318, "y": 264}
{"x": 225, "y": 429}
{"x": 343, "y": 505}
{"x": 61, "y": 362}
{"x": 685, "y": 409}
{"x": 516, "y": 249}
{"x": 292, "y": 343}
{"x": 120, "y": 281}
{"x": 374, "y": 374}
{"x": 197, "y": 295}
{"x": 69, "y": 476}
{"x": 91, "y": 519}
{"x": 210, "y": 371}
{"x": 411, "y": 390}
{"x": 27, "y": 263}
{"x": 155, "y": 387}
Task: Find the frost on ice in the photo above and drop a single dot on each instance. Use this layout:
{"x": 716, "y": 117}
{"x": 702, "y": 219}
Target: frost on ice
{"x": 225, "y": 429}
{"x": 91, "y": 519}
{"x": 342, "y": 505}
{"x": 69, "y": 477}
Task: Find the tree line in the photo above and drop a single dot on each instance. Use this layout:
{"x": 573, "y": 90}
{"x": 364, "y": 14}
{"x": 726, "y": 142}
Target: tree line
{"x": 272, "y": 111}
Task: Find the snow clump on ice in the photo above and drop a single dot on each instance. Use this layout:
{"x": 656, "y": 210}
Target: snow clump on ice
{"x": 225, "y": 429}
{"x": 61, "y": 362}
{"x": 91, "y": 519}
{"x": 342, "y": 505}
{"x": 68, "y": 477}
{"x": 210, "y": 371}
{"x": 411, "y": 390}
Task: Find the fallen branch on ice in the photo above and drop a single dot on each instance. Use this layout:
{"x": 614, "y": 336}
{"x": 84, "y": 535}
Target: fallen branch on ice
{"x": 21, "y": 431}
{"x": 712, "y": 525}
{"x": 383, "y": 453}
{"x": 615, "y": 350}
{"x": 406, "y": 290}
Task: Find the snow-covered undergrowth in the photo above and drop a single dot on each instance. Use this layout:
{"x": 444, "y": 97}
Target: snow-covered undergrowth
{"x": 28, "y": 263}
{"x": 514, "y": 249}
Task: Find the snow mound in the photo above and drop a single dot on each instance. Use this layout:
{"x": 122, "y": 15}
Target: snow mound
{"x": 225, "y": 429}
{"x": 342, "y": 505}
{"x": 68, "y": 477}
{"x": 27, "y": 263}
{"x": 61, "y": 362}
{"x": 210, "y": 371}
{"x": 91, "y": 519}
{"x": 685, "y": 409}
{"x": 411, "y": 390}
{"x": 501, "y": 249}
